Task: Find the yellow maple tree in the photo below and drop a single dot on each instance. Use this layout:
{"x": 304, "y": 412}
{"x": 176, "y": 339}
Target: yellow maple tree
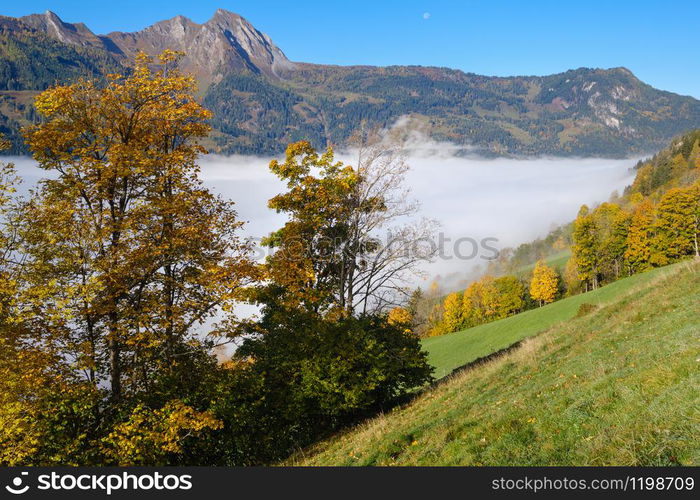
{"x": 544, "y": 285}
{"x": 127, "y": 251}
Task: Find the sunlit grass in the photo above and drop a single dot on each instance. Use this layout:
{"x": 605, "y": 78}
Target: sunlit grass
{"x": 616, "y": 386}
{"x": 453, "y": 350}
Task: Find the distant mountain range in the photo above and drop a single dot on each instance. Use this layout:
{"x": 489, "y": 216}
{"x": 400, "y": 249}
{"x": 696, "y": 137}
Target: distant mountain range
{"x": 262, "y": 100}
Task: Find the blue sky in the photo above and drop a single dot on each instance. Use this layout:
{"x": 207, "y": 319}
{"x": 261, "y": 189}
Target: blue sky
{"x": 657, "y": 40}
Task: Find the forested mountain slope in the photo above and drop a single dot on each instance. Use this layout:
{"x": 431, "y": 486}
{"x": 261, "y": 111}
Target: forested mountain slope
{"x": 262, "y": 101}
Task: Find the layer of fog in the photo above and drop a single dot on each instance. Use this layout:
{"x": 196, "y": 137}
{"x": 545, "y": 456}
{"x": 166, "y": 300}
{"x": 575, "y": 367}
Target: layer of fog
{"x": 512, "y": 200}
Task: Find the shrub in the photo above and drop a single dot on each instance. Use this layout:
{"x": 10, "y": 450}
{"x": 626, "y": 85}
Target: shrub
{"x": 585, "y": 309}
{"x": 307, "y": 376}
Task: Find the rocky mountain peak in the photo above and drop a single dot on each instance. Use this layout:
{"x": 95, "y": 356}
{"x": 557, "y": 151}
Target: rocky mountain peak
{"x": 177, "y": 27}
{"x": 237, "y": 34}
{"x": 226, "y": 42}
{"x": 52, "y": 25}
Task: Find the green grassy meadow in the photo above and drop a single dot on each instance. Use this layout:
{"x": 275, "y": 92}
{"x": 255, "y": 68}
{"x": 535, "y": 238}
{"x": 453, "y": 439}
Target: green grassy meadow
{"x": 453, "y": 350}
{"x": 618, "y": 386}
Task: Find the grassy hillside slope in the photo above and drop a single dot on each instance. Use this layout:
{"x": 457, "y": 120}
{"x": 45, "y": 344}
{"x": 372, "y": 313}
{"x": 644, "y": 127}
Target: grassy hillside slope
{"x": 453, "y": 350}
{"x": 618, "y": 386}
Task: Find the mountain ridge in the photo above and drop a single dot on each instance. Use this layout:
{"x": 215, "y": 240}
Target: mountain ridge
{"x": 225, "y": 42}
{"x": 262, "y": 100}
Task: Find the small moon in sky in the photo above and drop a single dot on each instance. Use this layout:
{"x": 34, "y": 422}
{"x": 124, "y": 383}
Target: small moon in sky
{"x": 426, "y": 15}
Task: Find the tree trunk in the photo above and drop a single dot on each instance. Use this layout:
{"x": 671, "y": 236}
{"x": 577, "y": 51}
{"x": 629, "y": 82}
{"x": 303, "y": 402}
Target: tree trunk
{"x": 351, "y": 286}
{"x": 114, "y": 358}
{"x": 169, "y": 316}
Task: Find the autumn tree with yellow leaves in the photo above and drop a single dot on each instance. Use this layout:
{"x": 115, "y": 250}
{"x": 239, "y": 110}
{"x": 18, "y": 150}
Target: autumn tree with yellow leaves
{"x": 586, "y": 248}
{"x": 399, "y": 316}
{"x": 640, "y": 236}
{"x": 544, "y": 285}
{"x": 107, "y": 272}
{"x": 127, "y": 251}
{"x": 676, "y": 225}
{"x": 452, "y": 316}
{"x": 511, "y": 296}
{"x": 306, "y": 267}
{"x": 328, "y": 256}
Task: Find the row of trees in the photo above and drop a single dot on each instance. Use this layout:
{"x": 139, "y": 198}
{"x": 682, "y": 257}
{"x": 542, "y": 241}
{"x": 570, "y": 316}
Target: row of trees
{"x": 490, "y": 299}
{"x": 612, "y": 241}
{"x": 114, "y": 266}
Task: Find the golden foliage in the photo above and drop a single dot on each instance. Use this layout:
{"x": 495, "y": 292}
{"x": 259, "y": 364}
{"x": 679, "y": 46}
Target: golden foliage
{"x": 487, "y": 299}
{"x": 307, "y": 254}
{"x": 677, "y": 224}
{"x": 400, "y": 316}
{"x": 127, "y": 250}
{"x": 150, "y": 436}
{"x": 638, "y": 255}
{"x": 452, "y": 318}
{"x": 545, "y": 283}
